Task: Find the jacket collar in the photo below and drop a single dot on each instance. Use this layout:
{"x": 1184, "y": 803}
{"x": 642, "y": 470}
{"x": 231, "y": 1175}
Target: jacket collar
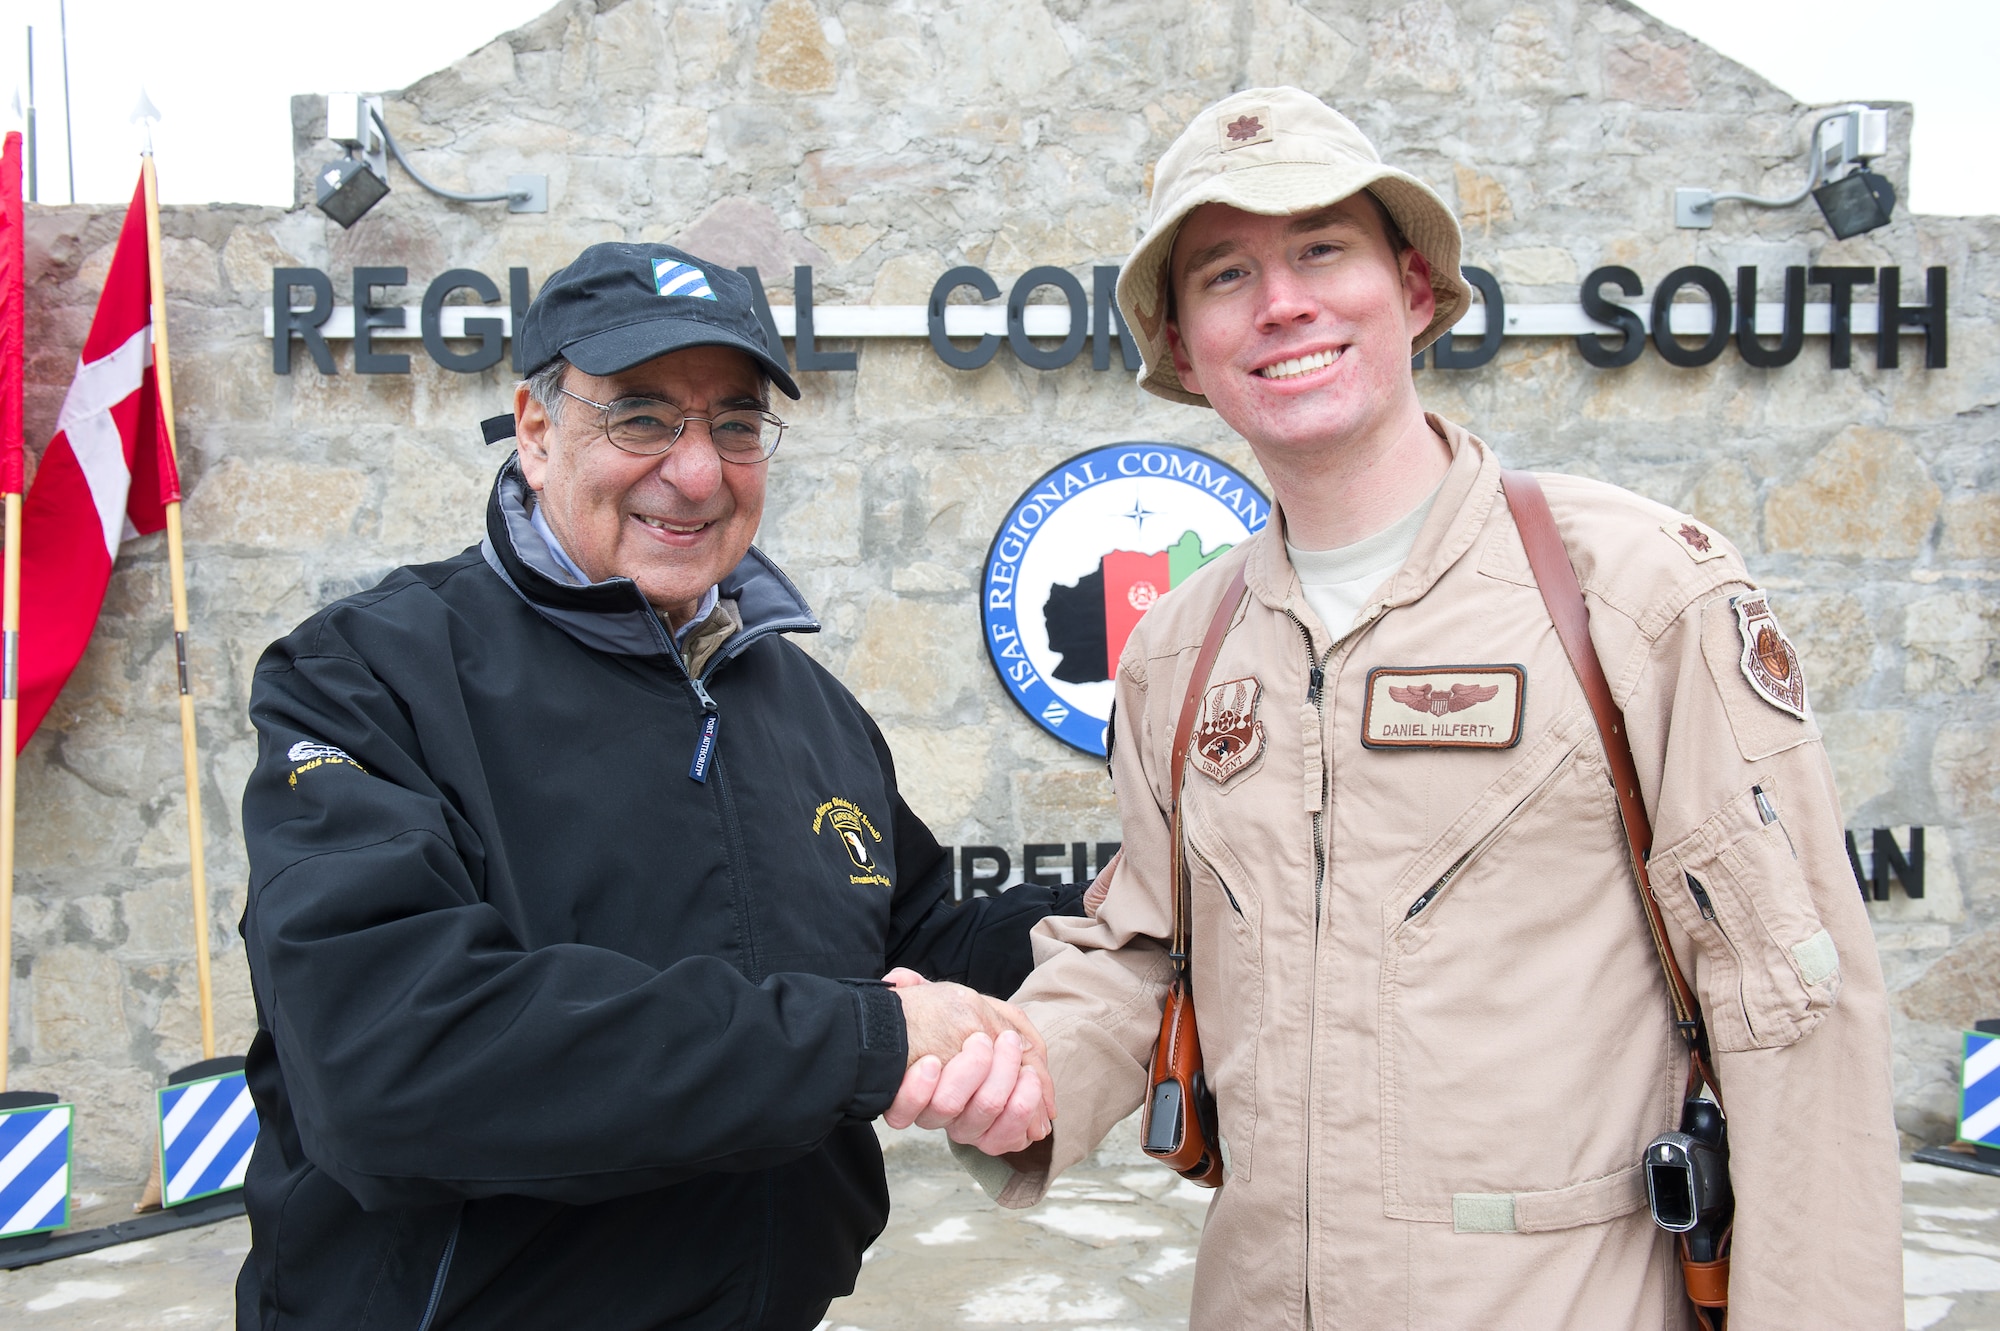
{"x": 612, "y": 616}
{"x": 1465, "y": 498}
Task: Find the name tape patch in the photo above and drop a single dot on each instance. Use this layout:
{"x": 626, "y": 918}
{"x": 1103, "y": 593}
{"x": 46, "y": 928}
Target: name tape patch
{"x": 1444, "y": 707}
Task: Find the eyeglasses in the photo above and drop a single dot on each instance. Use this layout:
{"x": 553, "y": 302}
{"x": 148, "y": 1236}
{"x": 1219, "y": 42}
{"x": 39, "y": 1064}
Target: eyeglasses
{"x": 649, "y": 427}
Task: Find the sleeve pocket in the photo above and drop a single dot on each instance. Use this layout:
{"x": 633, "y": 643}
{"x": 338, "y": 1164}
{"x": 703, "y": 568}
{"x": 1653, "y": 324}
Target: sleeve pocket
{"x": 1766, "y": 969}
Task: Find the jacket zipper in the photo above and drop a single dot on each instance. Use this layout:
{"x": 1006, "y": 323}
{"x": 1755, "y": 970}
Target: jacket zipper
{"x": 443, "y": 1270}
{"x": 711, "y": 725}
{"x": 708, "y": 763}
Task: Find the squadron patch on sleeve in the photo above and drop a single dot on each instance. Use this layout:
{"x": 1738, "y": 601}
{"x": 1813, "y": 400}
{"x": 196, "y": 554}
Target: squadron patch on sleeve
{"x": 1769, "y": 661}
{"x": 1697, "y": 540}
{"x": 1228, "y": 737}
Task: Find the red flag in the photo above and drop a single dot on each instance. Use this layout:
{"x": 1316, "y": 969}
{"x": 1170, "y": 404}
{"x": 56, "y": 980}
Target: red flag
{"x": 13, "y": 315}
{"x": 106, "y": 477}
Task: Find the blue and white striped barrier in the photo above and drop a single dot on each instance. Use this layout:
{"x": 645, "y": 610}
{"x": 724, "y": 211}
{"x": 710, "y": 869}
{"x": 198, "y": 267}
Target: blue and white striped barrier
{"x": 207, "y": 1128}
{"x": 1979, "y": 1094}
{"x": 34, "y": 1168}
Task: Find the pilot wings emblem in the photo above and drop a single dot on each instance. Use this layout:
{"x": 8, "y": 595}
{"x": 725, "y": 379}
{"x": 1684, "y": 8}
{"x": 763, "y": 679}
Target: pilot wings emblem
{"x": 1423, "y": 698}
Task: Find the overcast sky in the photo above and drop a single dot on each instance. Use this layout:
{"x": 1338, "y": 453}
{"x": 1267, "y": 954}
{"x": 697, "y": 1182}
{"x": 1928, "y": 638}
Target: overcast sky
{"x": 221, "y": 73}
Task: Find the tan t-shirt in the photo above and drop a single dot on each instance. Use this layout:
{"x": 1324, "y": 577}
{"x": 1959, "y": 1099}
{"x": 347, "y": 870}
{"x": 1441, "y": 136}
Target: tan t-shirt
{"x": 1337, "y": 583}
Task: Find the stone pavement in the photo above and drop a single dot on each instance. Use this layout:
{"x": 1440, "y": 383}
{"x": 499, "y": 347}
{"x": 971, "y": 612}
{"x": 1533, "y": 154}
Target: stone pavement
{"x": 1112, "y": 1249}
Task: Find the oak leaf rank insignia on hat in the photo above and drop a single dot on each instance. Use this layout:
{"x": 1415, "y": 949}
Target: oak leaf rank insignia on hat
{"x": 673, "y": 278}
{"x": 1251, "y": 126}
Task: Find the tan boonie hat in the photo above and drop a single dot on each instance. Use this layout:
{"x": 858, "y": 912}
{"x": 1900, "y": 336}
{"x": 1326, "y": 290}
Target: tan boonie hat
{"x": 1275, "y": 151}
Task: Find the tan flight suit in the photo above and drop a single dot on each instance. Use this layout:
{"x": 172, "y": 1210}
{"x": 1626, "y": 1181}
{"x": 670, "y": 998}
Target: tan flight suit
{"x": 1433, "y": 1114}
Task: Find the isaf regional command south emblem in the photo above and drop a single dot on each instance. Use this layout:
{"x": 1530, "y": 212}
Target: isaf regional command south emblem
{"x": 1083, "y": 554}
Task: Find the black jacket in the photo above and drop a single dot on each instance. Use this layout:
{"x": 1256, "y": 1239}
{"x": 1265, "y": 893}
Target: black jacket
{"x": 550, "y": 1033}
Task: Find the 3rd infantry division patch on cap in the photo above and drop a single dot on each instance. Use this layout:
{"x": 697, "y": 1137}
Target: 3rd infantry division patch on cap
{"x": 673, "y": 278}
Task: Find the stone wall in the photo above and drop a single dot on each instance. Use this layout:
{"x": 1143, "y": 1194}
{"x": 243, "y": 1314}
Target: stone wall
{"x": 882, "y": 144}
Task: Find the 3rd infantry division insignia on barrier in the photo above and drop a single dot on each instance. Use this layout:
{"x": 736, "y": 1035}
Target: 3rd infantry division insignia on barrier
{"x": 34, "y": 1168}
{"x": 1769, "y": 662}
{"x": 207, "y": 1131}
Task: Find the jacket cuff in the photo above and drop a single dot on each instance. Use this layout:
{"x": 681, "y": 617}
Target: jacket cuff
{"x": 883, "y": 1049}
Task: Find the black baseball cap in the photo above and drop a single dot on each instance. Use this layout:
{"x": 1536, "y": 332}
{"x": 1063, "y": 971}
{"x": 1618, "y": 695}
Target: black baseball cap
{"x": 618, "y": 305}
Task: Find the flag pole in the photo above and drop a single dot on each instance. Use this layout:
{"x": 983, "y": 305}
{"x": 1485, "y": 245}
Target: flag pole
{"x": 177, "y": 570}
{"x": 10, "y": 722}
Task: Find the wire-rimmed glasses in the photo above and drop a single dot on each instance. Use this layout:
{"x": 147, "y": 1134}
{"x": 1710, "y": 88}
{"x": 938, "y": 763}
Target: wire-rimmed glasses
{"x": 648, "y": 427}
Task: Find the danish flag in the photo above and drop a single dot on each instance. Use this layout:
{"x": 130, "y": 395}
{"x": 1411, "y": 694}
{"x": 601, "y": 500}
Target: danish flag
{"x": 106, "y": 477}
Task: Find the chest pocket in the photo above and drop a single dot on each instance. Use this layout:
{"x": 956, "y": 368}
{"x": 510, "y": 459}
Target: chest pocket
{"x": 1767, "y": 970}
{"x": 1526, "y": 1045}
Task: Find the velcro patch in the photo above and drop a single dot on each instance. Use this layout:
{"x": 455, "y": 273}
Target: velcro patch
{"x": 1697, "y": 540}
{"x": 1444, "y": 707}
{"x": 1483, "y": 1213}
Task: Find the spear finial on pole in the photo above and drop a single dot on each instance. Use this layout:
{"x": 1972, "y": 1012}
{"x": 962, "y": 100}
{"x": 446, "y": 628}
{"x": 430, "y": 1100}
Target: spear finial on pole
{"x": 145, "y": 115}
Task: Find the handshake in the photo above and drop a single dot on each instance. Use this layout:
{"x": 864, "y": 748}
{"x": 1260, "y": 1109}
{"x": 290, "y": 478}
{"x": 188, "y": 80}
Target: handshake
{"x": 978, "y": 1068}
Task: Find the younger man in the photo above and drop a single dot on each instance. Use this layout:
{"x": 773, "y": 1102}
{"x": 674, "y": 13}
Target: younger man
{"x": 1430, "y": 1006}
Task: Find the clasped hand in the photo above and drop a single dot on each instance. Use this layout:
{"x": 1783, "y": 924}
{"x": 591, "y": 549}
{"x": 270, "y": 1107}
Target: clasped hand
{"x": 978, "y": 1068}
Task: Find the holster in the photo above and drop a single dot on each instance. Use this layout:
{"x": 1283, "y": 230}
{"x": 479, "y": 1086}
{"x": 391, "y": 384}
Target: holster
{"x": 1179, "y": 1128}
{"x": 1707, "y": 1282}
{"x": 1183, "y": 1139}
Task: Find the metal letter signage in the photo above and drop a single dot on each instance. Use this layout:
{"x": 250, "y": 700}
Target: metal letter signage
{"x": 1610, "y": 331}
{"x": 1082, "y": 555}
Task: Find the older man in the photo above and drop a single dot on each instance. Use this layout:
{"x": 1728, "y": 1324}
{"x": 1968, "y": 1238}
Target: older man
{"x": 571, "y": 879}
{"x": 1431, "y": 1005}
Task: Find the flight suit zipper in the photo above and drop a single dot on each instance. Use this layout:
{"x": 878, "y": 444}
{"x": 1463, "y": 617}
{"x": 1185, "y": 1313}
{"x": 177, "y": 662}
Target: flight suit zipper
{"x": 1316, "y": 694}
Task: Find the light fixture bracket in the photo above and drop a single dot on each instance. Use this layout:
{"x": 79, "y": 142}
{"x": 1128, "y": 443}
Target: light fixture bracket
{"x": 1842, "y": 142}
{"x": 353, "y": 120}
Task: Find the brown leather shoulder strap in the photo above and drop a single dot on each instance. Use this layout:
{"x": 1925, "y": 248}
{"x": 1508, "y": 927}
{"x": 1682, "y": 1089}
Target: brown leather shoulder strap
{"x": 1204, "y": 664}
{"x": 1563, "y": 595}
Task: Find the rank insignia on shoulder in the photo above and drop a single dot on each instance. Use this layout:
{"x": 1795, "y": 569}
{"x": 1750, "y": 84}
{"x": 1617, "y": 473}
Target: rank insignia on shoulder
{"x": 1229, "y": 737}
{"x": 1769, "y": 661}
{"x": 1697, "y": 540}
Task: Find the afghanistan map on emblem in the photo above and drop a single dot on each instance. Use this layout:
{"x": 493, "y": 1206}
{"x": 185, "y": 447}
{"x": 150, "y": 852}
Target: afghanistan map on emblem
{"x": 1082, "y": 555}
{"x": 1769, "y": 661}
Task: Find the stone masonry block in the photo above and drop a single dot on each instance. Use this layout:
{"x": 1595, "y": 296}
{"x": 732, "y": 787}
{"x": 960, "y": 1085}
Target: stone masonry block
{"x": 1867, "y": 493}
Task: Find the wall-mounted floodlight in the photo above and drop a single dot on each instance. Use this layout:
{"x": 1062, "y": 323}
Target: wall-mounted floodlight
{"x": 1851, "y": 197}
{"x": 351, "y": 184}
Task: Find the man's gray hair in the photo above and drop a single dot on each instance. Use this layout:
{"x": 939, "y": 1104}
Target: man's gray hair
{"x": 545, "y": 387}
